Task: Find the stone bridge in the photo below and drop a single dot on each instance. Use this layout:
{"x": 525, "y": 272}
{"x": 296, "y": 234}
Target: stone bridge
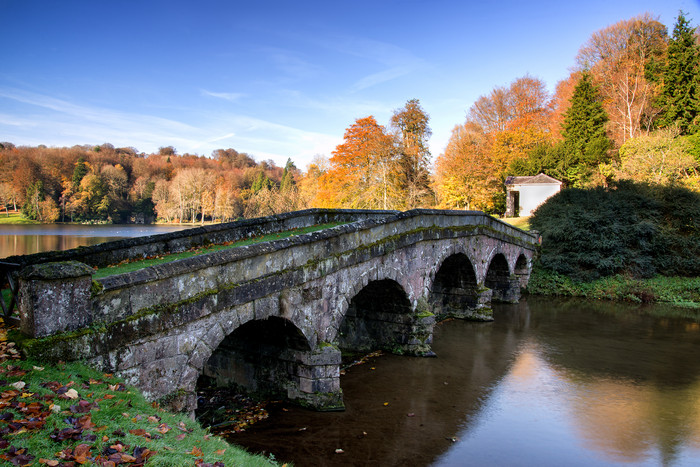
{"x": 271, "y": 317}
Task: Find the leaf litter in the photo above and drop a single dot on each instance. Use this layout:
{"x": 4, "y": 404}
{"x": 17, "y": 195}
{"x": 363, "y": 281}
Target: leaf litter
{"x": 35, "y": 403}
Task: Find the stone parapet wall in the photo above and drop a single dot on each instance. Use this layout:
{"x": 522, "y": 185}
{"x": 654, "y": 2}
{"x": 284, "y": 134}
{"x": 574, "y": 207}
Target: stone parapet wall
{"x": 108, "y": 253}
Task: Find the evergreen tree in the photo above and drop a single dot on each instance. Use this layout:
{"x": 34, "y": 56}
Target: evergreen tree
{"x": 287, "y": 182}
{"x": 261, "y": 182}
{"x": 585, "y": 142}
{"x": 680, "y": 96}
{"x": 79, "y": 172}
{"x": 585, "y": 120}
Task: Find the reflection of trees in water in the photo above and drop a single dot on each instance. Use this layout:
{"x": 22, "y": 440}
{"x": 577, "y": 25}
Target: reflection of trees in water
{"x": 633, "y": 378}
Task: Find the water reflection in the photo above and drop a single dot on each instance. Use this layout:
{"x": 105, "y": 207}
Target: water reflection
{"x": 592, "y": 384}
{"x": 547, "y": 383}
{"x": 37, "y": 238}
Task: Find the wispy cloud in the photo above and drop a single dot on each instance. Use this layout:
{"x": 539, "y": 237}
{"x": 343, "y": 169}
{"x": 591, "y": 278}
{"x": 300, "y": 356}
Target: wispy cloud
{"x": 292, "y": 64}
{"x": 228, "y": 96}
{"x": 60, "y": 122}
{"x": 393, "y": 61}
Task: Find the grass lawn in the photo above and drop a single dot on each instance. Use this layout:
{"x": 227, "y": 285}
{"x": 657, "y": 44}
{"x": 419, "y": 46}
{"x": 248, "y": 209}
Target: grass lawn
{"x": 519, "y": 222}
{"x": 15, "y": 218}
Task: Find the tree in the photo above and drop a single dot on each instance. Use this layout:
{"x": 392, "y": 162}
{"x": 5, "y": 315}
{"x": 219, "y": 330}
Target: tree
{"x": 287, "y": 183}
{"x": 617, "y": 57}
{"x": 412, "y": 131}
{"x": 81, "y": 169}
{"x": 680, "y": 92}
{"x": 501, "y": 128}
{"x": 464, "y": 178}
{"x": 585, "y": 119}
{"x": 584, "y": 131}
{"x": 35, "y": 195}
{"x": 167, "y": 151}
{"x": 362, "y": 169}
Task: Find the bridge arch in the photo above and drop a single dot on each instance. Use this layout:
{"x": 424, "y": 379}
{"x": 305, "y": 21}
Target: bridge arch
{"x": 522, "y": 270}
{"x": 455, "y": 289}
{"x": 379, "y": 316}
{"x": 258, "y": 356}
{"x": 500, "y": 281}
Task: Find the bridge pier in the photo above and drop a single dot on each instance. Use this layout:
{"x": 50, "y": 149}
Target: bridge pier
{"x": 318, "y": 376}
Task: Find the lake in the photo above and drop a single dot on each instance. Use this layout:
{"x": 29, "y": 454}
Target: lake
{"x": 36, "y": 238}
{"x": 548, "y": 383}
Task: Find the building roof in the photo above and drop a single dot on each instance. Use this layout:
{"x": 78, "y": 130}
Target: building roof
{"x": 540, "y": 179}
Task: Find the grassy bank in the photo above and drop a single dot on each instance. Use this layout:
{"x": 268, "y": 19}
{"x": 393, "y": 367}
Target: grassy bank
{"x": 70, "y": 414}
{"x": 678, "y": 291}
{"x": 519, "y": 222}
{"x": 15, "y": 218}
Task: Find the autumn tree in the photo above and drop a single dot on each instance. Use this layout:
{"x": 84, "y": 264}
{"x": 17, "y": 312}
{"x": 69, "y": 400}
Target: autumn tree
{"x": 618, "y": 57}
{"x": 362, "y": 168}
{"x": 410, "y": 125}
{"x": 501, "y": 128}
{"x": 464, "y": 178}
{"x": 680, "y": 91}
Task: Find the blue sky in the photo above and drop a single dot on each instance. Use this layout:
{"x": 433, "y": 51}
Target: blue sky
{"x": 275, "y": 79}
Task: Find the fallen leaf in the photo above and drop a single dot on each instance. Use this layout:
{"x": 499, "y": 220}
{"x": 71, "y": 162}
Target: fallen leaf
{"x": 71, "y": 393}
{"x": 19, "y": 385}
{"x": 196, "y": 451}
{"x": 49, "y": 462}
{"x": 386, "y": 403}
{"x": 220, "y": 451}
{"x": 163, "y": 428}
{"x": 39, "y": 368}
{"x": 339, "y": 451}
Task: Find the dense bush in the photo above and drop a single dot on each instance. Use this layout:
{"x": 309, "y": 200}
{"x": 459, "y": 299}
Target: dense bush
{"x": 629, "y": 228}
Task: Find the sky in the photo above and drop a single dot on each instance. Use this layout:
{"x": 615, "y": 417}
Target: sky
{"x": 275, "y": 79}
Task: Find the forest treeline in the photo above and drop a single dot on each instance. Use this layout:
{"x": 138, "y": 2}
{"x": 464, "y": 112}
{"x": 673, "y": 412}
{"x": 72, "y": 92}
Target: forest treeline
{"x": 630, "y": 109}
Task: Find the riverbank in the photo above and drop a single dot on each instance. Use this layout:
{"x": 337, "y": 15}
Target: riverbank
{"x": 70, "y": 414}
{"x": 678, "y": 291}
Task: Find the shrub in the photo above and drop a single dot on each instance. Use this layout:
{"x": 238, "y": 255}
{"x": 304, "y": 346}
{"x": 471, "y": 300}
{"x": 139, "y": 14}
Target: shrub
{"x": 629, "y": 228}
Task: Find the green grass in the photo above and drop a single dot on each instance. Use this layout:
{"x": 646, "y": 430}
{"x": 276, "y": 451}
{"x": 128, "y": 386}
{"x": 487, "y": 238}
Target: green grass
{"x": 519, "y": 222}
{"x": 103, "y": 412}
{"x": 141, "y": 264}
{"x": 678, "y": 291}
{"x": 15, "y": 218}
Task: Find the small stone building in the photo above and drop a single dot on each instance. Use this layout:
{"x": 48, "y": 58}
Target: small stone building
{"x": 525, "y": 194}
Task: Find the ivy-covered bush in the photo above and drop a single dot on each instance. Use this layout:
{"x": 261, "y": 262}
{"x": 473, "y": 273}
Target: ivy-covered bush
{"x": 628, "y": 228}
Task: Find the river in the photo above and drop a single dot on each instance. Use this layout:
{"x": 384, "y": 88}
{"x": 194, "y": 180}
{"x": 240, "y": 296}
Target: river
{"x": 548, "y": 383}
{"x": 37, "y": 238}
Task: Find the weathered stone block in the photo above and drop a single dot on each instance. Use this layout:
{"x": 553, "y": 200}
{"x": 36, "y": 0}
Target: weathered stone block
{"x": 55, "y": 297}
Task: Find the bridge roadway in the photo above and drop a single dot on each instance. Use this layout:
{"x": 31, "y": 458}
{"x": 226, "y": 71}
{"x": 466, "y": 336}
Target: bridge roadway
{"x": 273, "y": 317}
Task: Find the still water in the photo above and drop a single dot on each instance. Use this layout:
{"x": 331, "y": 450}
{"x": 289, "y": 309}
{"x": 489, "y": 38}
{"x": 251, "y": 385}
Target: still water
{"x": 37, "y": 238}
{"x": 548, "y": 383}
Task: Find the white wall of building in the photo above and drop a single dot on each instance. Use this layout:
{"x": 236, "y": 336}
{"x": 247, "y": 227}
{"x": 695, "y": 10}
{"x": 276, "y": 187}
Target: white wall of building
{"x": 532, "y": 195}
